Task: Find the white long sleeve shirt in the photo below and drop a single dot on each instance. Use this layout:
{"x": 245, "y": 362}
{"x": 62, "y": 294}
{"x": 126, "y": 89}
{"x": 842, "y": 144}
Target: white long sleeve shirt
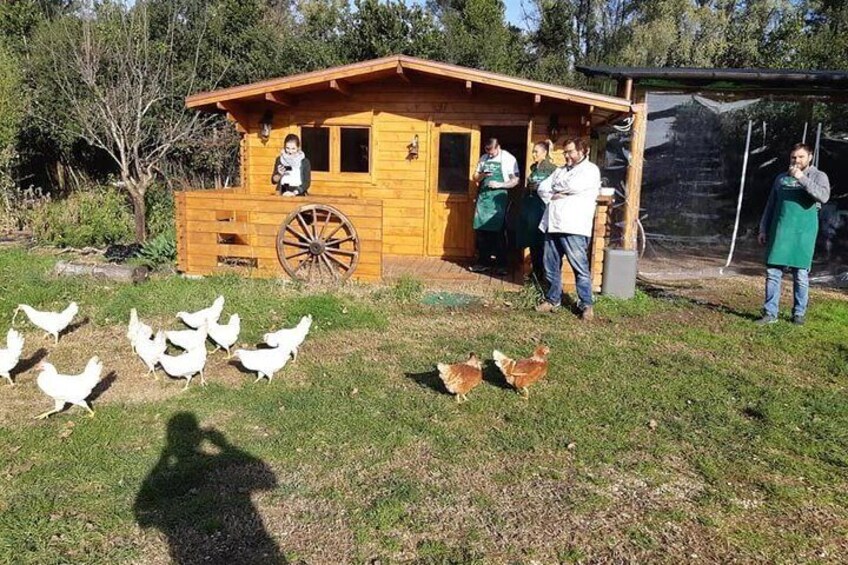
{"x": 573, "y": 212}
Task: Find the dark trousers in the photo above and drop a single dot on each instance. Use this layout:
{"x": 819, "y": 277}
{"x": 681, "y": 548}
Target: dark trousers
{"x": 491, "y": 248}
{"x": 537, "y": 261}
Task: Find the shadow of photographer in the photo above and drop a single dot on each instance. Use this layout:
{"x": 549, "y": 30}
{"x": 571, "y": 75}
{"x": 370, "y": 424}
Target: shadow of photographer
{"x": 199, "y": 496}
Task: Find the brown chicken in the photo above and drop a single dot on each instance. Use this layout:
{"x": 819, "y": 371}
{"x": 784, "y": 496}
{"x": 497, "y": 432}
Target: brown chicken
{"x": 524, "y": 372}
{"x": 460, "y": 378}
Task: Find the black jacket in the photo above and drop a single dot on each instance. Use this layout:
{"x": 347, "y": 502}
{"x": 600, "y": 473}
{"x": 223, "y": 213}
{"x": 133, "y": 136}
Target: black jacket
{"x": 305, "y": 178}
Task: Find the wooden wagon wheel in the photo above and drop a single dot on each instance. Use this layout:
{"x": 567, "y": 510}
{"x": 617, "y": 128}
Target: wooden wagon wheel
{"x": 318, "y": 243}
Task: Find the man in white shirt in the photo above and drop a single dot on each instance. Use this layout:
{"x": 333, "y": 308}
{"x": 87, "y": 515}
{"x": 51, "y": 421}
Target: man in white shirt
{"x": 497, "y": 172}
{"x": 570, "y": 194}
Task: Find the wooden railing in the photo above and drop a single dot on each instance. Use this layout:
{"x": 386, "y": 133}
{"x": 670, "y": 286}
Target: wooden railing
{"x": 234, "y": 231}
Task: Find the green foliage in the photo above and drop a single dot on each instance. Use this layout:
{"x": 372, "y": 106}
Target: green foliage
{"x": 158, "y": 251}
{"x": 96, "y": 216}
{"x": 11, "y": 97}
{"x": 159, "y": 209}
{"x": 378, "y": 29}
{"x": 407, "y": 289}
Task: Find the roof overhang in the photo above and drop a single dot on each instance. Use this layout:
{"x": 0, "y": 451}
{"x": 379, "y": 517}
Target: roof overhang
{"x": 786, "y": 83}
{"x": 286, "y": 90}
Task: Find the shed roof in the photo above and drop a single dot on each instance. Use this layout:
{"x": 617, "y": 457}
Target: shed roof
{"x": 800, "y": 82}
{"x": 286, "y": 89}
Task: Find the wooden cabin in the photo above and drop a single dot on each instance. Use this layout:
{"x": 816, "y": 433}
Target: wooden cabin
{"x": 393, "y": 145}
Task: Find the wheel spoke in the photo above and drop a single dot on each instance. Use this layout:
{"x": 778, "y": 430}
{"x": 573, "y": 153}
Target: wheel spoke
{"x": 297, "y": 254}
{"x": 295, "y": 243}
{"x": 341, "y": 251}
{"x": 340, "y": 263}
{"x": 329, "y": 267}
{"x": 304, "y": 225}
{"x": 311, "y": 261}
{"x": 337, "y": 228}
{"x": 324, "y": 226}
{"x": 340, "y": 241}
{"x": 298, "y": 235}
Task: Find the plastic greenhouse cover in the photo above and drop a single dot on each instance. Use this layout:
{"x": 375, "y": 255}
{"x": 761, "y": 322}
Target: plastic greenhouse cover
{"x": 694, "y": 155}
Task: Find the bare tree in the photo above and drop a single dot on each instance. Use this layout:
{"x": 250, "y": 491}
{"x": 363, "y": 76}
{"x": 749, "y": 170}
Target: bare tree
{"x": 123, "y": 91}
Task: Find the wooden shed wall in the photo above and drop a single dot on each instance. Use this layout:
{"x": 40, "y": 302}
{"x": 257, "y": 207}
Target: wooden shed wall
{"x": 396, "y": 112}
{"x": 206, "y": 218}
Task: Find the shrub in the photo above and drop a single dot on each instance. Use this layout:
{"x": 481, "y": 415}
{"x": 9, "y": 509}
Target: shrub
{"x": 159, "y": 251}
{"x": 407, "y": 289}
{"x": 95, "y": 216}
{"x": 159, "y": 202}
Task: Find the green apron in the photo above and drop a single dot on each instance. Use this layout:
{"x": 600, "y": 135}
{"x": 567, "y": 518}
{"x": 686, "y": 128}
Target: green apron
{"x": 532, "y": 208}
{"x": 490, "y": 213}
{"x": 794, "y": 226}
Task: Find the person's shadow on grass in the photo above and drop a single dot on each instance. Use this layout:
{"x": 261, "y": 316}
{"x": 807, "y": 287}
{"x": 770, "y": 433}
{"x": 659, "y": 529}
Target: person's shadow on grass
{"x": 198, "y": 496}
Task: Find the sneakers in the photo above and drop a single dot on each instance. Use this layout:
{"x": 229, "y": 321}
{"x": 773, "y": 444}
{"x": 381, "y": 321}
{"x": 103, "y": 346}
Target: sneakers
{"x": 546, "y": 307}
{"x": 798, "y": 320}
{"x": 588, "y": 314}
{"x": 766, "y": 319}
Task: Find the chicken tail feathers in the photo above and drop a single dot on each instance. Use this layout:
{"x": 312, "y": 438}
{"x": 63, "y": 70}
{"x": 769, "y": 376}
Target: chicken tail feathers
{"x": 14, "y": 342}
{"x": 501, "y": 360}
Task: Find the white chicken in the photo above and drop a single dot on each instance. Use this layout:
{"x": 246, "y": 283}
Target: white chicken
{"x": 291, "y": 338}
{"x": 189, "y": 339}
{"x": 211, "y": 314}
{"x": 225, "y": 335}
{"x": 68, "y": 388}
{"x": 185, "y": 366}
{"x": 265, "y": 362}
{"x": 137, "y": 329}
{"x": 51, "y": 322}
{"x": 150, "y": 350}
{"x": 10, "y": 356}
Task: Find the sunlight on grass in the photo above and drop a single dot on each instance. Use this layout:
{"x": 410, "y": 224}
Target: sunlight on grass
{"x": 662, "y": 408}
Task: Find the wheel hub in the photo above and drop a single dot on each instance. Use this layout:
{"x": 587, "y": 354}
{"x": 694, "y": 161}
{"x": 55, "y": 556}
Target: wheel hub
{"x": 316, "y": 247}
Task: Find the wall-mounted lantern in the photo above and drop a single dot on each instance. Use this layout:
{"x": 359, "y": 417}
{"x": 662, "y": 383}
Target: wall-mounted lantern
{"x": 265, "y": 126}
{"x": 553, "y": 127}
{"x": 412, "y": 149}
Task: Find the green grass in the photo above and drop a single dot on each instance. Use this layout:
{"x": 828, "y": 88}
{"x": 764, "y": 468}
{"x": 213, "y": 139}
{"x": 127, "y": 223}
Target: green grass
{"x": 355, "y": 452}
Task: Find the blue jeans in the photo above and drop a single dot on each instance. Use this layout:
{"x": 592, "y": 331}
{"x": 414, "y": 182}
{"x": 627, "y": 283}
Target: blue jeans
{"x": 575, "y": 248}
{"x": 800, "y": 288}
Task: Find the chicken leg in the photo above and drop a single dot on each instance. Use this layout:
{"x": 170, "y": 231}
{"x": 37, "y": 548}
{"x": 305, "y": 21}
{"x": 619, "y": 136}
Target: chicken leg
{"x": 8, "y": 378}
{"x": 85, "y": 405}
{"x": 57, "y": 407}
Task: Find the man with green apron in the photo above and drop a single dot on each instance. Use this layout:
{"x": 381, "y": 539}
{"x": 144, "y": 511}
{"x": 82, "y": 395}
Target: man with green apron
{"x": 497, "y": 171}
{"x": 788, "y": 229}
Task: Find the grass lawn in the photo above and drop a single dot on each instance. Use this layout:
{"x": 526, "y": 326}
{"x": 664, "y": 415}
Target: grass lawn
{"x": 669, "y": 430}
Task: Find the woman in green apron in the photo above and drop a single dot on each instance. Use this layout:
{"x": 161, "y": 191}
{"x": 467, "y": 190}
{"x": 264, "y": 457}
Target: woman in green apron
{"x": 531, "y": 209}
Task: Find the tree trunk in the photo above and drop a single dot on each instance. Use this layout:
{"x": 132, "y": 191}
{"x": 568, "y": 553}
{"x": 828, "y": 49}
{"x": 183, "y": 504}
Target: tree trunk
{"x": 120, "y": 273}
{"x": 136, "y": 190}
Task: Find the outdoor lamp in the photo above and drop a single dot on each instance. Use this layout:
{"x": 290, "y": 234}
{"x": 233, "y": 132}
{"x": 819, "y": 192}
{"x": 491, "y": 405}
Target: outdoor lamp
{"x": 265, "y": 125}
{"x": 553, "y": 127}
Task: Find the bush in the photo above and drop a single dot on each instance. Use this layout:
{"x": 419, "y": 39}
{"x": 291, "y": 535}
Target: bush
{"x": 407, "y": 289}
{"x": 95, "y": 216}
{"x": 159, "y": 202}
{"x": 161, "y": 250}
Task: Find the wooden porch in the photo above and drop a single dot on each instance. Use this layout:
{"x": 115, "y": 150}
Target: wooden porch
{"x": 447, "y": 273}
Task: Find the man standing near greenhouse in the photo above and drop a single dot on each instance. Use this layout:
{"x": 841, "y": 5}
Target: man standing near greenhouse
{"x": 788, "y": 229}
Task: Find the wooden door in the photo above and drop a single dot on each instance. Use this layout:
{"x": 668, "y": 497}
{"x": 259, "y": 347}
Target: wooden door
{"x": 454, "y": 154}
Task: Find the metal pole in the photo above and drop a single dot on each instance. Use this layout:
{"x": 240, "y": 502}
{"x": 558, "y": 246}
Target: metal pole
{"x": 818, "y": 140}
{"x": 739, "y": 200}
{"x": 804, "y": 137}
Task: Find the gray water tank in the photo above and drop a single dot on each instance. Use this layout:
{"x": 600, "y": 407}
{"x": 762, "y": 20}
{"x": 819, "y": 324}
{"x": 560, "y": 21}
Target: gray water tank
{"x": 619, "y": 278}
